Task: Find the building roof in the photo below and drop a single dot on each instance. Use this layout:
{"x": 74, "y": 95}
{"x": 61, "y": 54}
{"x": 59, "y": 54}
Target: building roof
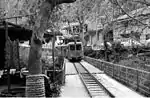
{"x": 15, "y": 31}
{"x": 93, "y": 25}
{"x": 135, "y": 13}
{"x": 66, "y": 26}
{"x": 70, "y": 43}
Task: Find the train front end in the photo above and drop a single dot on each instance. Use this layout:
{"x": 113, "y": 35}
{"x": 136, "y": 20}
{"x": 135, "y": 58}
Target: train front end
{"x": 75, "y": 51}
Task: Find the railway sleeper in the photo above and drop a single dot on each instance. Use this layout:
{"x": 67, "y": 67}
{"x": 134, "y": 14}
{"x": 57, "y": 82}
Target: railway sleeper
{"x": 102, "y": 94}
{"x": 87, "y": 78}
{"x": 94, "y": 90}
{"x": 97, "y": 89}
{"x": 93, "y": 86}
{"x": 99, "y": 93}
{"x": 89, "y": 82}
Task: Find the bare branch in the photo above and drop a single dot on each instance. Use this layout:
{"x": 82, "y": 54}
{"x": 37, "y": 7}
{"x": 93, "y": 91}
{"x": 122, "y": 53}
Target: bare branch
{"x": 142, "y": 2}
{"x": 131, "y": 16}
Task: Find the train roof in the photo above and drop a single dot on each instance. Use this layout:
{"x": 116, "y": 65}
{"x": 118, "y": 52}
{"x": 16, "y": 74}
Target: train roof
{"x": 15, "y": 31}
{"x": 74, "y": 43}
{"x": 63, "y": 45}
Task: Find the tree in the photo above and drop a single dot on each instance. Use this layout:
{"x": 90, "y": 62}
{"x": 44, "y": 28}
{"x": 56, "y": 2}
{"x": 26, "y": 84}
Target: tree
{"x": 35, "y": 81}
{"x": 126, "y": 6}
{"x": 78, "y": 12}
{"x": 112, "y": 9}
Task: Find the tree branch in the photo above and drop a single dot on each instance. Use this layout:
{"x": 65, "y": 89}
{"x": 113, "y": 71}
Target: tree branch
{"x": 131, "y": 16}
{"x": 142, "y": 2}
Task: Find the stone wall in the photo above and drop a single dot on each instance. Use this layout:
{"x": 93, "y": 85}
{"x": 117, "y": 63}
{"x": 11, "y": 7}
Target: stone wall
{"x": 35, "y": 86}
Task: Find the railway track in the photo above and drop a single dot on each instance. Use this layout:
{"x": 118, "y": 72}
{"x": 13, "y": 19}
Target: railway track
{"x": 92, "y": 85}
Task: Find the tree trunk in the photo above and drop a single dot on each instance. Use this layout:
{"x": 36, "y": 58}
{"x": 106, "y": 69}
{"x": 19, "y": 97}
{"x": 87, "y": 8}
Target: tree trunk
{"x": 106, "y": 49}
{"x": 35, "y": 81}
{"x": 34, "y": 63}
{"x": 106, "y": 29}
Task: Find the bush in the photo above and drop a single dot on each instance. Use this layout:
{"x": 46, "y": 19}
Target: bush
{"x": 15, "y": 92}
{"x": 136, "y": 62}
{"x": 92, "y": 54}
{"x": 59, "y": 62}
{"x": 52, "y": 89}
{"x": 87, "y": 51}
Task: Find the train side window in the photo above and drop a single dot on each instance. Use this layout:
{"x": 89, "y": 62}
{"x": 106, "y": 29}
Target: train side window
{"x": 72, "y": 47}
{"x": 78, "y": 47}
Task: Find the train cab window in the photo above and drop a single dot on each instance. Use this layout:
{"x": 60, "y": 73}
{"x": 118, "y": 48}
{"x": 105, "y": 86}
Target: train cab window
{"x": 78, "y": 40}
{"x": 72, "y": 47}
{"x": 78, "y": 47}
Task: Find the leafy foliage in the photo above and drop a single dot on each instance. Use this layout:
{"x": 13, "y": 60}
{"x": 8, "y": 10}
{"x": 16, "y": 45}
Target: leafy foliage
{"x": 136, "y": 62}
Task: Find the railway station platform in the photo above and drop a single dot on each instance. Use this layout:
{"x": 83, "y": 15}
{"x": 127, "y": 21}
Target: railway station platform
{"x": 74, "y": 88}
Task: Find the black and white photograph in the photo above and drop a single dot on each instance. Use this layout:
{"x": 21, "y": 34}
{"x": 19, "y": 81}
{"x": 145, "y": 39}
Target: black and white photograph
{"x": 75, "y": 48}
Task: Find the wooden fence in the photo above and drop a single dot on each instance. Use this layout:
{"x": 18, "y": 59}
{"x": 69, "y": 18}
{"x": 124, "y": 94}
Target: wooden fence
{"x": 137, "y": 79}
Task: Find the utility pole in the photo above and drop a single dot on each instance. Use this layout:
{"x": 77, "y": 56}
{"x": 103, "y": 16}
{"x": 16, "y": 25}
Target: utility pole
{"x": 96, "y": 22}
{"x": 9, "y": 54}
{"x": 53, "y": 54}
{"x": 16, "y": 20}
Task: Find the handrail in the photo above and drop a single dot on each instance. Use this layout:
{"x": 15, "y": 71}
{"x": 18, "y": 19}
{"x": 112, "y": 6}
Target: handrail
{"x": 120, "y": 65}
{"x": 136, "y": 78}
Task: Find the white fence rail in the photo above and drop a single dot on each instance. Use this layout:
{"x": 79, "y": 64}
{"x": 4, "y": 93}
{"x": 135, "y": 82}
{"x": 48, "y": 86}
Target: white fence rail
{"x": 138, "y": 80}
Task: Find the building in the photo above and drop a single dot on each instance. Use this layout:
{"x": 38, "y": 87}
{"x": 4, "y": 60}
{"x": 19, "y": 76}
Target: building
{"x": 93, "y": 34}
{"x": 15, "y": 32}
{"x": 126, "y": 28}
{"x": 96, "y": 35}
{"x": 95, "y": 39}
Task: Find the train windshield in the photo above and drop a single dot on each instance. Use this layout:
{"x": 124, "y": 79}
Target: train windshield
{"x": 72, "y": 47}
{"x": 78, "y": 47}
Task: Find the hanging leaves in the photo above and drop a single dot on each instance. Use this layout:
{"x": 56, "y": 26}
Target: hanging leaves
{"x": 11, "y": 54}
{"x": 8, "y": 52}
{"x": 15, "y": 54}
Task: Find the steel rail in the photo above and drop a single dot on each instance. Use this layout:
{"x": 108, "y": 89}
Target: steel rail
{"x": 82, "y": 80}
{"x": 104, "y": 88}
{"x": 89, "y": 80}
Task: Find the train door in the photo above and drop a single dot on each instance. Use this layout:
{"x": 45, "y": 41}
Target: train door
{"x": 67, "y": 51}
{"x": 71, "y": 50}
{"x": 79, "y": 51}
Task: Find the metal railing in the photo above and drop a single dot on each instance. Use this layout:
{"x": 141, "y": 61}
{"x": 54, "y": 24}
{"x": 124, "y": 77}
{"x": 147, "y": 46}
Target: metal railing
{"x": 137, "y": 79}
